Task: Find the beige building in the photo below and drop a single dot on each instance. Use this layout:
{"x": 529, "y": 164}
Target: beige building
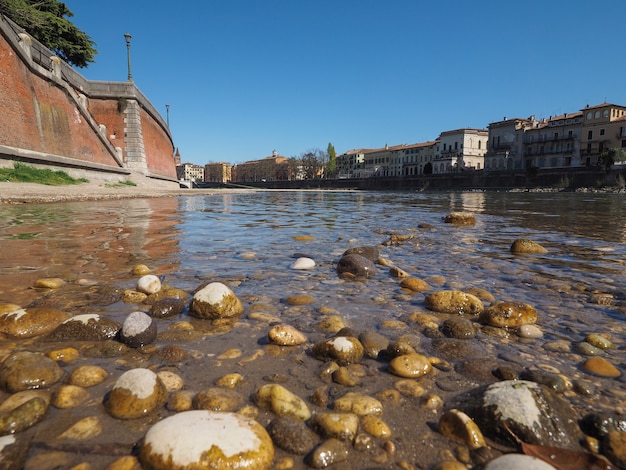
{"x": 350, "y": 162}
{"x": 505, "y": 145}
{"x": 460, "y": 149}
{"x": 418, "y": 157}
{"x": 272, "y": 168}
{"x": 604, "y": 128}
{"x": 554, "y": 142}
{"x": 218, "y": 172}
{"x": 190, "y": 172}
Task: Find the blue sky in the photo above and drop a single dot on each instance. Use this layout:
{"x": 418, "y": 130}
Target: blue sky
{"x": 245, "y": 77}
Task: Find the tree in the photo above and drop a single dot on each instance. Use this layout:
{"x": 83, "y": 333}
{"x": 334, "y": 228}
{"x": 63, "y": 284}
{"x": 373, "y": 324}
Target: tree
{"x": 312, "y": 164}
{"x": 47, "y": 21}
{"x": 609, "y": 157}
{"x": 331, "y": 170}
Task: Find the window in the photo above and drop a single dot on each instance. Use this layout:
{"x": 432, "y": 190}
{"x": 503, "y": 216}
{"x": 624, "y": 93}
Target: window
{"x": 601, "y": 147}
{"x": 601, "y": 131}
{"x": 589, "y": 135}
{"x": 556, "y": 135}
{"x": 605, "y": 113}
{"x": 570, "y": 133}
{"x": 479, "y": 145}
{"x": 624, "y": 144}
{"x": 589, "y": 115}
{"x": 596, "y": 115}
{"x": 588, "y": 148}
{"x": 456, "y": 146}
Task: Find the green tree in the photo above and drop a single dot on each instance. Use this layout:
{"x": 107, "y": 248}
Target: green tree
{"x": 332, "y": 161}
{"x": 47, "y": 21}
{"x": 609, "y": 157}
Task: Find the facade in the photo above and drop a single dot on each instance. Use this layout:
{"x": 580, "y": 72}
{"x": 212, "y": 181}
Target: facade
{"x": 349, "y": 163}
{"x": 460, "y": 149}
{"x": 604, "y": 128}
{"x": 218, "y": 172}
{"x": 272, "y": 168}
{"x": 418, "y": 157}
{"x": 505, "y": 146}
{"x": 554, "y": 142}
{"x": 190, "y": 172}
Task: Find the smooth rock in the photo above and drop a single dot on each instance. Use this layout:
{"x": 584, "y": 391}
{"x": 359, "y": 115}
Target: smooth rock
{"x": 149, "y": 284}
{"x": 140, "y": 270}
{"x": 88, "y": 376}
{"x": 85, "y": 327}
{"x": 375, "y": 426}
{"x": 69, "y": 396}
{"x": 64, "y": 355}
{"x": 217, "y": 399}
{"x": 167, "y": 308}
{"x": 373, "y": 343}
{"x": 355, "y": 266}
{"x": 138, "y": 330}
{"x": 509, "y": 315}
{"x": 344, "y": 350}
{"x": 410, "y": 366}
{"x": 600, "y": 367}
{"x": 460, "y": 427}
{"x": 13, "y": 452}
{"x": 230, "y": 380}
{"x": 453, "y": 301}
{"x": 370, "y": 252}
{"x": 359, "y": 404}
{"x": 31, "y": 322}
{"x": 207, "y": 439}
{"x": 23, "y": 417}
{"x": 526, "y": 246}
{"x": 171, "y": 381}
{"x": 214, "y": 301}
{"x": 328, "y": 453}
{"x": 26, "y": 370}
{"x": 281, "y": 402}
{"x": 19, "y": 398}
{"x": 398, "y": 273}
{"x": 286, "y": 335}
{"x": 136, "y": 393}
{"x": 599, "y": 341}
{"x": 83, "y": 430}
{"x": 303, "y": 263}
{"x": 291, "y": 435}
{"x": 614, "y": 446}
{"x": 342, "y": 426}
{"x": 299, "y": 299}
{"x": 481, "y": 293}
{"x": 414, "y": 284}
{"x": 529, "y": 332}
{"x": 49, "y": 283}
{"x": 459, "y": 328}
{"x": 518, "y": 462}
{"x": 460, "y": 218}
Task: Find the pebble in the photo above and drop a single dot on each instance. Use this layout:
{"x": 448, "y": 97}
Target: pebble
{"x": 69, "y": 396}
{"x": 138, "y": 330}
{"x": 409, "y": 388}
{"x": 599, "y": 341}
{"x": 83, "y": 430}
{"x": 171, "y": 381}
{"x": 136, "y": 393}
{"x": 359, "y": 404}
{"x": 88, "y": 376}
{"x": 600, "y": 367}
{"x": 286, "y": 335}
{"x": 460, "y": 218}
{"x": 217, "y": 399}
{"x": 299, "y": 299}
{"x": 529, "y": 332}
{"x": 398, "y": 273}
{"x": 460, "y": 427}
{"x": 291, "y": 435}
{"x": 214, "y": 301}
{"x": 23, "y": 416}
{"x": 373, "y": 343}
{"x": 85, "y": 327}
{"x": 30, "y": 322}
{"x": 414, "y": 284}
{"x": 614, "y": 446}
{"x": 329, "y": 452}
{"x": 49, "y": 283}
{"x": 345, "y": 377}
{"x": 207, "y": 439}
{"x": 526, "y": 246}
{"x": 281, "y": 402}
{"x": 16, "y": 399}
{"x": 331, "y": 324}
{"x": 342, "y": 426}
{"x": 509, "y": 314}
{"x": 64, "y": 355}
{"x": 372, "y": 253}
{"x": 345, "y": 350}
{"x": 13, "y": 452}
{"x": 453, "y": 302}
{"x": 149, "y": 284}
{"x": 140, "y": 270}
{"x": 167, "y": 308}
{"x": 27, "y": 370}
{"x": 303, "y": 263}
{"x": 375, "y": 426}
{"x": 181, "y": 400}
{"x": 230, "y": 380}
{"x": 410, "y": 366}
{"x": 355, "y": 266}
{"x": 518, "y": 462}
{"x": 587, "y": 349}
{"x": 460, "y": 328}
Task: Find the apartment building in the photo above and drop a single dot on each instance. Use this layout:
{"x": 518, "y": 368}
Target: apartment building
{"x": 417, "y": 158}
{"x": 272, "y": 168}
{"x": 190, "y": 172}
{"x": 603, "y": 128}
{"x": 220, "y": 172}
{"x": 350, "y": 162}
{"x": 553, "y": 142}
{"x": 460, "y": 149}
{"x": 505, "y": 146}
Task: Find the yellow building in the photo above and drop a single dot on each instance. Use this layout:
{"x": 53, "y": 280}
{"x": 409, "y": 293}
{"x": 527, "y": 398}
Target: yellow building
{"x": 218, "y": 172}
{"x": 604, "y": 128}
{"x": 272, "y": 168}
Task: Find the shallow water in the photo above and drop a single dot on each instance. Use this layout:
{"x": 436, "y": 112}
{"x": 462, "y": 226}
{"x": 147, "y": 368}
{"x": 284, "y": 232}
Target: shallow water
{"x": 250, "y": 240}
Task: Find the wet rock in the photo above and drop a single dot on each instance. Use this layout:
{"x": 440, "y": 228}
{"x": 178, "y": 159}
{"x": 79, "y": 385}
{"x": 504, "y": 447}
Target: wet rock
{"x": 481, "y": 293}
{"x": 518, "y": 462}
{"x": 172, "y": 354}
{"x": 13, "y": 452}
{"x": 140, "y": 270}
{"x": 550, "y": 380}
{"x": 291, "y": 435}
{"x": 281, "y": 402}
{"x": 149, "y": 284}
{"x": 355, "y": 266}
{"x": 410, "y": 365}
{"x": 460, "y": 427}
{"x": 207, "y": 439}
{"x": 167, "y": 308}
{"x": 88, "y": 376}
{"x": 373, "y": 343}
{"x": 181, "y": 400}
{"x": 23, "y": 417}
{"x": 531, "y": 411}
{"x": 69, "y": 396}
{"x": 375, "y": 426}
{"x": 526, "y": 246}
{"x": 453, "y": 301}
{"x": 343, "y": 426}
{"x": 400, "y": 347}
{"x": 529, "y": 332}
{"x": 600, "y": 367}
{"x": 30, "y": 322}
{"x": 414, "y": 284}
{"x": 49, "y": 283}
{"x": 599, "y": 341}
{"x": 171, "y": 381}
{"x": 359, "y": 404}
{"x": 136, "y": 393}
{"x": 344, "y": 350}
{"x": 215, "y": 300}
{"x": 217, "y": 399}
{"x": 459, "y": 328}
{"x": 83, "y": 430}
{"x": 455, "y": 349}
{"x": 328, "y": 453}
{"x": 299, "y": 299}
{"x": 64, "y": 355}
{"x": 167, "y": 293}
{"x": 398, "y": 273}
{"x": 303, "y": 263}
{"x": 599, "y": 424}
{"x": 509, "y": 314}
{"x": 85, "y": 327}
{"x": 460, "y": 218}
{"x": 27, "y": 370}
{"x": 138, "y": 330}
{"x": 587, "y": 349}
{"x": 346, "y": 377}
{"x": 370, "y": 252}
{"x": 286, "y": 335}
{"x": 130, "y": 296}
{"x": 479, "y": 369}
{"x": 19, "y": 398}
{"x": 614, "y": 447}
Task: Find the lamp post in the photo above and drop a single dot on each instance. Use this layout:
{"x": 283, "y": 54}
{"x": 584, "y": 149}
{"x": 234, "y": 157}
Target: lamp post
{"x": 128, "y": 38}
{"x": 167, "y": 114}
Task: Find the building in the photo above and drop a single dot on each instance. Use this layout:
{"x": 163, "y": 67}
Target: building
{"x": 272, "y": 168}
{"x": 460, "y": 149}
{"x": 190, "y": 172}
{"x": 604, "y": 128}
{"x": 418, "y": 158}
{"x": 505, "y": 145}
{"x": 220, "y": 172}
{"x": 350, "y": 162}
{"x": 554, "y": 142}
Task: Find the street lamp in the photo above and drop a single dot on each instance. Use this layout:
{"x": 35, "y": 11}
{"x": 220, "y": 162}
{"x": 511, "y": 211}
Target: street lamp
{"x": 167, "y": 114}
{"x": 128, "y": 38}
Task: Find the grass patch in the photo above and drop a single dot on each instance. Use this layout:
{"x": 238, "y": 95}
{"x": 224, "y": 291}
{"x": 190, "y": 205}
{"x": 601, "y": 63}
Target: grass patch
{"x": 21, "y": 173}
{"x": 121, "y": 184}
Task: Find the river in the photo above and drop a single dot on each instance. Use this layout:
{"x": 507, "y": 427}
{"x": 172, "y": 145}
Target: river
{"x": 249, "y": 242}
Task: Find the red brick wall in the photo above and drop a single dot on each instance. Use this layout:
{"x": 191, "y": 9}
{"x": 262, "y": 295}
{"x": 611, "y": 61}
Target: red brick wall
{"x": 158, "y": 147}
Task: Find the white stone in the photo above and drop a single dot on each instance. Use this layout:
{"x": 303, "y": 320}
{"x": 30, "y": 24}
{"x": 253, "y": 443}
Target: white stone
{"x": 518, "y": 462}
{"x": 342, "y": 344}
{"x": 303, "y": 263}
{"x": 149, "y": 284}
{"x": 516, "y": 403}
{"x": 213, "y": 293}
{"x": 529, "y": 331}
{"x": 83, "y": 318}
{"x": 140, "y": 382}
{"x": 6, "y": 441}
{"x": 136, "y": 323}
